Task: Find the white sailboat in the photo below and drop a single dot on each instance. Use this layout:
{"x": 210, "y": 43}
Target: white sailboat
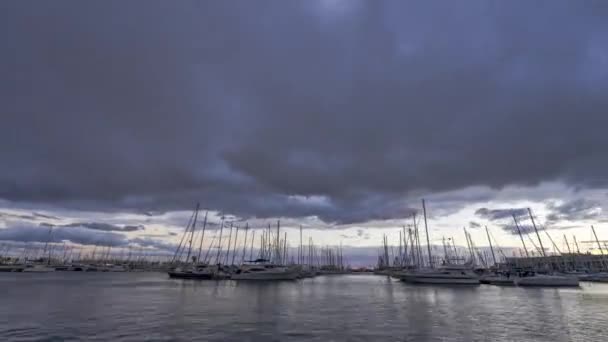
{"x": 446, "y": 274}
{"x": 262, "y": 269}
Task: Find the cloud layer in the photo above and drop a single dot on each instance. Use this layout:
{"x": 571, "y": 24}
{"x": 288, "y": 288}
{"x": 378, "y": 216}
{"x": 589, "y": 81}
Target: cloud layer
{"x": 297, "y": 109}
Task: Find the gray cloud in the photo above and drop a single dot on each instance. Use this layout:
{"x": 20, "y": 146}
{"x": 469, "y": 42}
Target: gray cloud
{"x": 501, "y": 214}
{"x": 351, "y": 110}
{"x": 99, "y": 226}
{"x": 76, "y": 235}
{"x": 575, "y": 210}
{"x": 34, "y": 216}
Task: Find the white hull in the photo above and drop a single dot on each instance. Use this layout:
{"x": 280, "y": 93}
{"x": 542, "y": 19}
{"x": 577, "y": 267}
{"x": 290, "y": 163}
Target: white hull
{"x": 546, "y": 280}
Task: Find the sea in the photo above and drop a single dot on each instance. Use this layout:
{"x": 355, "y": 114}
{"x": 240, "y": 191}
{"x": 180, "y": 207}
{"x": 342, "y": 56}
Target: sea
{"x": 74, "y": 306}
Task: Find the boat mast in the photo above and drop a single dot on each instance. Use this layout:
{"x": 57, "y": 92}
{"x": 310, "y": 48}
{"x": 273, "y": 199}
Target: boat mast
{"x": 542, "y": 249}
{"x": 200, "y": 246}
{"x": 278, "y": 246}
{"x": 598, "y": 245}
{"x": 520, "y": 236}
{"x": 229, "y": 244}
{"x": 426, "y": 228}
{"x": 252, "y": 240}
{"x": 219, "y": 244}
{"x": 245, "y": 243}
{"x": 301, "y": 250}
{"x": 206, "y": 260}
{"x": 597, "y": 240}
{"x": 400, "y": 249}
{"x": 576, "y": 244}
{"x": 472, "y": 255}
{"x": 191, "y": 233}
{"x": 420, "y": 262}
{"x": 403, "y": 262}
{"x": 446, "y": 259}
{"x": 491, "y": 248}
{"x": 236, "y": 239}
{"x": 46, "y": 244}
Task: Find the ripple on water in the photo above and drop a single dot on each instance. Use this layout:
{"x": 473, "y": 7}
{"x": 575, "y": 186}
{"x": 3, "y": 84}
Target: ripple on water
{"x": 148, "y": 306}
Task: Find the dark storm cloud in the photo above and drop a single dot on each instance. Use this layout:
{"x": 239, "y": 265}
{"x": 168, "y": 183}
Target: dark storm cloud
{"x": 153, "y": 105}
{"x": 500, "y": 214}
{"x": 575, "y": 210}
{"x": 75, "y": 235}
{"x": 99, "y": 226}
{"x": 34, "y": 216}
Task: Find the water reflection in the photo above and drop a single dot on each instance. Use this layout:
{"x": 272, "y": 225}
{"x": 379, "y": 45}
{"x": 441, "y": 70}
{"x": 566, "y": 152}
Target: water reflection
{"x": 332, "y": 308}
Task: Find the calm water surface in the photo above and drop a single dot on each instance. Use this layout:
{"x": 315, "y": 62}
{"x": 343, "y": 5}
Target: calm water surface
{"x": 149, "y": 306}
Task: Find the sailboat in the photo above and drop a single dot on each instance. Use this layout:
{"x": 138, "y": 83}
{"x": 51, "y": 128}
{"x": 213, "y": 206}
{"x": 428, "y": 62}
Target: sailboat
{"x": 448, "y": 274}
{"x": 192, "y": 268}
{"x": 268, "y": 268}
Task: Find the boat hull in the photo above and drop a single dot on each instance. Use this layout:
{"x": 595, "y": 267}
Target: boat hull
{"x": 189, "y": 275}
{"x": 499, "y": 281}
{"x": 548, "y": 281}
{"x": 438, "y": 279}
{"x": 265, "y": 276}
{"x": 38, "y": 269}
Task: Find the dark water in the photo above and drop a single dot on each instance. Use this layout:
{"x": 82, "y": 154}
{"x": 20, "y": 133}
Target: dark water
{"x": 148, "y": 306}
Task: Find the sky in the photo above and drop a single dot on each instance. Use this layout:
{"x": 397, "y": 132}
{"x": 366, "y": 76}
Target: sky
{"x": 118, "y": 117}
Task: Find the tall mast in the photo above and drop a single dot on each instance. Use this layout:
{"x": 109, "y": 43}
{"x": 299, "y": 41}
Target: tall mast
{"x": 301, "y": 250}
{"x": 491, "y": 248}
{"x": 192, "y": 229}
{"x": 46, "y": 244}
{"x": 245, "y": 243}
{"x": 466, "y": 235}
{"x": 219, "y": 245}
{"x": 205, "y": 260}
{"x": 285, "y": 250}
{"x": 229, "y": 244}
{"x": 520, "y": 236}
{"x": 200, "y": 246}
{"x": 426, "y": 228}
{"x": 567, "y": 244}
{"x": 236, "y": 239}
{"x": 542, "y": 249}
{"x": 181, "y": 241}
{"x": 404, "y": 247}
{"x": 445, "y": 251}
{"x": 576, "y": 244}
{"x": 252, "y": 239}
{"x": 263, "y": 245}
{"x": 597, "y": 240}
{"x": 278, "y": 246}
{"x": 419, "y": 260}
{"x": 400, "y": 249}
{"x": 454, "y": 247}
